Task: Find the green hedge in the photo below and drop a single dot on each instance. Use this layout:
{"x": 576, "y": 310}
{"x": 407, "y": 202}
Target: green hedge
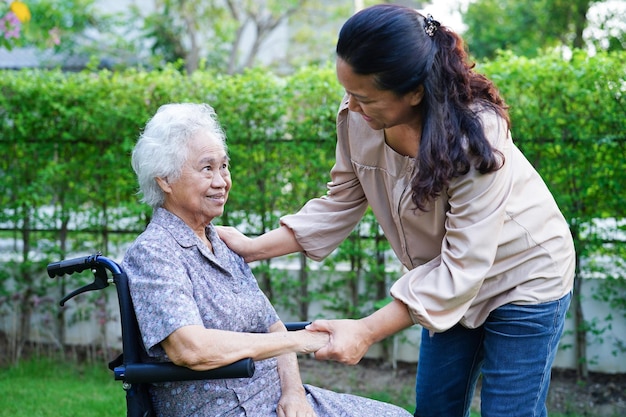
{"x": 569, "y": 118}
{"x": 68, "y": 187}
{"x": 68, "y": 138}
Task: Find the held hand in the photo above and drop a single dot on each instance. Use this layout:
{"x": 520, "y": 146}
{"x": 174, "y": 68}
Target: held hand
{"x": 294, "y": 404}
{"x": 313, "y": 341}
{"x": 349, "y": 340}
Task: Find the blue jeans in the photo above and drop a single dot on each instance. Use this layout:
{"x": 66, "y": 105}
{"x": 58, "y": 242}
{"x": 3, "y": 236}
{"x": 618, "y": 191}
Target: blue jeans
{"x": 514, "y": 350}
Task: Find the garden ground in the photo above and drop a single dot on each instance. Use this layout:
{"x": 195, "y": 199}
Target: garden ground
{"x": 602, "y": 395}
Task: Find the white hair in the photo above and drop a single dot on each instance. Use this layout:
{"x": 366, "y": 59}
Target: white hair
{"x": 162, "y": 148}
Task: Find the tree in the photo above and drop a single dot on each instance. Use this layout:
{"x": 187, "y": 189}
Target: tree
{"x": 226, "y": 35}
{"x": 193, "y": 30}
{"x": 230, "y": 34}
{"x": 264, "y": 17}
{"x": 516, "y": 26}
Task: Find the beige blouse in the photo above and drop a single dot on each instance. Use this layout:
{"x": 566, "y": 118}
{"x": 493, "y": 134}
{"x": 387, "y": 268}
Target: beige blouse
{"x": 489, "y": 240}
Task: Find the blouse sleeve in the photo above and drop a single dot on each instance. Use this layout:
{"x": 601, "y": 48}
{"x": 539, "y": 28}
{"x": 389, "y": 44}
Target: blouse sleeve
{"x": 323, "y": 223}
{"x": 438, "y": 293}
{"x": 161, "y": 291}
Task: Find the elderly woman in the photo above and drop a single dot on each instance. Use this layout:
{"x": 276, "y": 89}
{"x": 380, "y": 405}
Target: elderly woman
{"x": 197, "y": 302}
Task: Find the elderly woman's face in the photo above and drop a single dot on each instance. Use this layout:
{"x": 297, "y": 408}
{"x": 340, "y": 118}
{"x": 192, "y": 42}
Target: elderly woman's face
{"x": 200, "y": 193}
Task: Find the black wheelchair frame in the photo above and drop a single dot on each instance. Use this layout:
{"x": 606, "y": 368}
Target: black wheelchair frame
{"x": 131, "y": 366}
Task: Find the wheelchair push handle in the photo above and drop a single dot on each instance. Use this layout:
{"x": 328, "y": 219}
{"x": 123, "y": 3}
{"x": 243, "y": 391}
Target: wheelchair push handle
{"x": 69, "y": 266}
{"x": 97, "y": 263}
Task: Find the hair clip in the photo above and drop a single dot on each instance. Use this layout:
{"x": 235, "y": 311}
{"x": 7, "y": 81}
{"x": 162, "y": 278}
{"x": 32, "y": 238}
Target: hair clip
{"x": 431, "y": 26}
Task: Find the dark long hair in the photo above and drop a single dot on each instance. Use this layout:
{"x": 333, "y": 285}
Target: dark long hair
{"x": 390, "y": 43}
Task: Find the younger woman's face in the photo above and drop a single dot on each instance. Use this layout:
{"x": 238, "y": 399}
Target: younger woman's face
{"x": 381, "y": 109}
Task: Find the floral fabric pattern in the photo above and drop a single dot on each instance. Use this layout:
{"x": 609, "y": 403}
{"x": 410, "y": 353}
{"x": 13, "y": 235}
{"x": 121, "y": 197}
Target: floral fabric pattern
{"x": 175, "y": 281}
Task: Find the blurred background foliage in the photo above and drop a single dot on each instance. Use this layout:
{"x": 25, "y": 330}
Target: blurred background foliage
{"x": 67, "y": 184}
{"x": 231, "y": 35}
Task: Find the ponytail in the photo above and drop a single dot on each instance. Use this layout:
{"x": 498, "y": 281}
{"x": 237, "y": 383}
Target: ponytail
{"x": 453, "y": 137}
{"x": 404, "y": 50}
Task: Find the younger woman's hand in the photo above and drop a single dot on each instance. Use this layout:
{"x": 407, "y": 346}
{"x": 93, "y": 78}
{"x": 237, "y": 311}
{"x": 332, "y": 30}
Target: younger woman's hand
{"x": 234, "y": 239}
{"x": 349, "y": 340}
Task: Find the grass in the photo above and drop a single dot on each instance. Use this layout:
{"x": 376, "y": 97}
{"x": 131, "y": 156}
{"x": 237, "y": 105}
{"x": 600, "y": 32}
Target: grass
{"x": 44, "y": 388}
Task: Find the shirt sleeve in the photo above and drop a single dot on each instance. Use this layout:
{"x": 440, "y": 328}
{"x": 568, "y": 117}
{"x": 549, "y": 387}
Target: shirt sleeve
{"x": 438, "y": 293}
{"x": 323, "y": 223}
{"x": 161, "y": 291}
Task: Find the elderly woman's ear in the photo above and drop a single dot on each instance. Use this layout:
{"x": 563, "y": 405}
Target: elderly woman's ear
{"x": 164, "y": 184}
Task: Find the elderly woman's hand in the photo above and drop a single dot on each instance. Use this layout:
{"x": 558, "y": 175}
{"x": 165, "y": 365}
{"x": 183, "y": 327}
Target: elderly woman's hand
{"x": 312, "y": 341}
{"x": 293, "y": 403}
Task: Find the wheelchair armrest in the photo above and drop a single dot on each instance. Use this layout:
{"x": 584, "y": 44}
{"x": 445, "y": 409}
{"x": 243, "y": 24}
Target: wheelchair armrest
{"x": 152, "y": 372}
{"x": 296, "y": 325}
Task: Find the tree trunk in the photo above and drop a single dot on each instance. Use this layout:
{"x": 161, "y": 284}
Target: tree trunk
{"x": 580, "y": 22}
{"x": 582, "y": 368}
{"x": 61, "y": 333}
{"x": 25, "y": 309}
{"x": 304, "y": 289}
{"x": 580, "y": 327}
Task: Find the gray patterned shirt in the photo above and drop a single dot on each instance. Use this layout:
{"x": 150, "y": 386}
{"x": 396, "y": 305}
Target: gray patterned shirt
{"x": 175, "y": 281}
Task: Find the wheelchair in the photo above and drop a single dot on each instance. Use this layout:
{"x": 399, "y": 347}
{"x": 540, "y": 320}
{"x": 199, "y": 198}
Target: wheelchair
{"x": 131, "y": 367}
